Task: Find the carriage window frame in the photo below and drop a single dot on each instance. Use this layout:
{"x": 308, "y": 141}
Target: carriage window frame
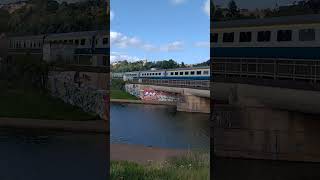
{"x": 228, "y": 37}
{"x": 176, "y": 73}
{"x": 215, "y": 37}
{"x": 181, "y": 73}
{"x": 83, "y": 42}
{"x": 284, "y": 35}
{"x": 171, "y": 73}
{"x": 264, "y": 36}
{"x": 245, "y": 36}
{"x": 307, "y": 34}
{"x": 186, "y": 73}
{"x": 199, "y": 72}
{"x": 205, "y": 72}
{"x": 105, "y": 41}
{"x": 192, "y": 73}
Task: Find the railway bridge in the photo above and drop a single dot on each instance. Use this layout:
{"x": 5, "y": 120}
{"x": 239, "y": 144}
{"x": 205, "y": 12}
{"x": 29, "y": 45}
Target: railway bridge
{"x": 266, "y": 108}
{"x": 187, "y": 95}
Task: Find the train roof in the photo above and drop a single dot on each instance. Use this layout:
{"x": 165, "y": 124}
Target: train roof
{"x": 26, "y": 37}
{"x": 174, "y": 69}
{"x": 284, "y": 20}
{"x": 76, "y": 34}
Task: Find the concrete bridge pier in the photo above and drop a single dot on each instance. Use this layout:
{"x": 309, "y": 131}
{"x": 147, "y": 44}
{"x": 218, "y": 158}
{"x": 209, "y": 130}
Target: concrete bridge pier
{"x": 258, "y": 131}
{"x": 191, "y": 103}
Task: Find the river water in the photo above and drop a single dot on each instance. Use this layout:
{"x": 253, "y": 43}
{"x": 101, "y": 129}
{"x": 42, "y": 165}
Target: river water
{"x": 30, "y": 155}
{"x": 159, "y": 126}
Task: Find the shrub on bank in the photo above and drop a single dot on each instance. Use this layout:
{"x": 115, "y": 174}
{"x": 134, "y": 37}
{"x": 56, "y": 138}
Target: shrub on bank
{"x": 191, "y": 167}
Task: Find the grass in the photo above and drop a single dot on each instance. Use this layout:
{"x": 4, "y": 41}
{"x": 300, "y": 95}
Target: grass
{"x": 119, "y": 94}
{"x": 32, "y": 103}
{"x": 191, "y": 167}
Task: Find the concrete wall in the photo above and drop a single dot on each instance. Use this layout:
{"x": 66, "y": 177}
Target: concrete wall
{"x": 61, "y": 85}
{"x": 186, "y": 100}
{"x": 262, "y": 125}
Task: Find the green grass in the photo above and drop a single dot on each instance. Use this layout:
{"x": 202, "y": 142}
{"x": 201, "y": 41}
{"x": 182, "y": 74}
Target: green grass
{"x": 119, "y": 94}
{"x": 191, "y": 167}
{"x": 31, "y": 103}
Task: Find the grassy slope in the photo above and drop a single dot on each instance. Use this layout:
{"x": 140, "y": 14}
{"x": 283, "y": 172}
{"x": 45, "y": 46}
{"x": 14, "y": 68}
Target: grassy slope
{"x": 191, "y": 168}
{"x": 116, "y": 90}
{"x": 32, "y": 104}
{"x": 119, "y": 94}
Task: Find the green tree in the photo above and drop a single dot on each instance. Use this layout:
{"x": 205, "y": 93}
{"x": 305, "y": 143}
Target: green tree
{"x": 233, "y": 10}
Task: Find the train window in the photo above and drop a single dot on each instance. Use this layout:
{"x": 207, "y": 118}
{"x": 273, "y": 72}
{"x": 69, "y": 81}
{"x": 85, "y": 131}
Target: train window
{"x": 83, "y": 41}
{"x": 105, "y": 41}
{"x": 264, "y": 36}
{"x": 214, "y": 37}
{"x": 176, "y": 73}
{"x": 77, "y": 41}
{"x": 186, "y": 73}
{"x": 70, "y": 41}
{"x": 39, "y": 44}
{"x": 96, "y": 41}
{"x": 284, "y": 35}
{"x": 245, "y": 37}
{"x": 307, "y": 35}
{"x": 65, "y": 42}
{"x": 192, "y": 72}
{"x": 181, "y": 73}
{"x": 205, "y": 72}
{"x": 198, "y": 72}
{"x": 24, "y": 44}
{"x": 228, "y": 37}
{"x": 171, "y": 73}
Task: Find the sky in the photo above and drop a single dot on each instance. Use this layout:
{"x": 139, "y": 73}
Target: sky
{"x": 160, "y": 29}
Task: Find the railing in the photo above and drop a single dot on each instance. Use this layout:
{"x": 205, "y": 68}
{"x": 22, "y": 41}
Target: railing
{"x": 293, "y": 69}
{"x": 196, "y": 84}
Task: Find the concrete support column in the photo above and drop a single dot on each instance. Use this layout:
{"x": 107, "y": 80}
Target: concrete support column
{"x": 191, "y": 103}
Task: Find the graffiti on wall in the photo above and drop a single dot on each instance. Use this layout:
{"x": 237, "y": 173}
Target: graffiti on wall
{"x": 63, "y": 86}
{"x": 149, "y": 94}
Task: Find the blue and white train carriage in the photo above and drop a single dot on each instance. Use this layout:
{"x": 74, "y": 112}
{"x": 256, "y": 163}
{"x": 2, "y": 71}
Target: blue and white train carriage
{"x": 291, "y": 37}
{"x": 192, "y": 73}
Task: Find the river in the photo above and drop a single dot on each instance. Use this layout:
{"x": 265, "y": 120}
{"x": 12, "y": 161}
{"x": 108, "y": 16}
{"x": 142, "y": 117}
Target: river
{"x": 159, "y": 126}
{"x": 30, "y": 155}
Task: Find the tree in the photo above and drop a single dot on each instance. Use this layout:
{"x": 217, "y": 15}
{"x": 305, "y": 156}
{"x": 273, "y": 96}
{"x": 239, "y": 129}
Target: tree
{"x": 314, "y": 5}
{"x": 233, "y": 10}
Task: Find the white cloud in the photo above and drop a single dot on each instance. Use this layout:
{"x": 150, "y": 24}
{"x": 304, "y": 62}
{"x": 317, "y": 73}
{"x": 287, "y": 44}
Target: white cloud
{"x": 116, "y": 56}
{"x": 177, "y": 2}
{"x": 206, "y": 7}
{"x": 122, "y": 41}
{"x": 111, "y": 15}
{"x": 202, "y": 44}
{"x": 119, "y": 40}
{"x": 173, "y": 46}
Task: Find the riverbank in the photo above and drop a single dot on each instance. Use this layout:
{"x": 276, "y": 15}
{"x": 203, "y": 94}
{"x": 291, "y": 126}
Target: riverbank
{"x": 130, "y": 101}
{"x": 140, "y": 162}
{"x": 92, "y": 126}
{"x": 142, "y": 154}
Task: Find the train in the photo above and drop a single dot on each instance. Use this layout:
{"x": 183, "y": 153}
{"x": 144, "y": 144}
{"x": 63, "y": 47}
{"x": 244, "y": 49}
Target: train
{"x": 190, "y": 73}
{"x": 93, "y": 44}
{"x": 287, "y": 37}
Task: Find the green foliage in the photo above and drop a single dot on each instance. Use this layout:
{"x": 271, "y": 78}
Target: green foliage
{"x": 49, "y": 16}
{"x": 22, "y": 102}
{"x": 118, "y": 92}
{"x": 125, "y": 66}
{"x": 4, "y": 18}
{"x": 191, "y": 167}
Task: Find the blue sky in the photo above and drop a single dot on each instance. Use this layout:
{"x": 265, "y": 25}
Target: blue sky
{"x": 160, "y": 29}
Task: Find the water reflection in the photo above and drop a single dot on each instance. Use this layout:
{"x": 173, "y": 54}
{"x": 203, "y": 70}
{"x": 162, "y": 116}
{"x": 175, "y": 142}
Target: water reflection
{"x": 30, "y": 155}
{"x": 160, "y": 126}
